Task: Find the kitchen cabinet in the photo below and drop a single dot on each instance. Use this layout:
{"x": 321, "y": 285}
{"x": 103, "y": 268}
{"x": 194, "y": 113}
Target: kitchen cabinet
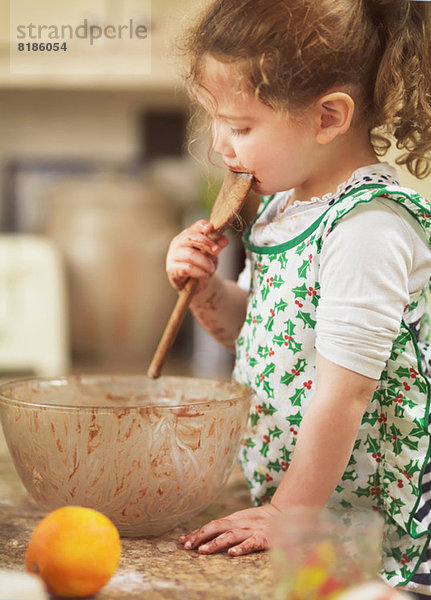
{"x": 150, "y": 568}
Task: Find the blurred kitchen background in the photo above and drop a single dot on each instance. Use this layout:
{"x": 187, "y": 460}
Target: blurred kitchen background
{"x": 95, "y": 180}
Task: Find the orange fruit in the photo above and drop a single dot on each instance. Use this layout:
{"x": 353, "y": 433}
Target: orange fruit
{"x": 75, "y": 550}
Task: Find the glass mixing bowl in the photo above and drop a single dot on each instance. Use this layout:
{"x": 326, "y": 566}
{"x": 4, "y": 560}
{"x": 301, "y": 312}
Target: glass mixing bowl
{"x": 149, "y": 454}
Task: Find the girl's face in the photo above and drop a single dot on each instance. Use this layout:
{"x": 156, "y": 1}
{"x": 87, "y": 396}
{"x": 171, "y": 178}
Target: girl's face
{"x": 252, "y": 137}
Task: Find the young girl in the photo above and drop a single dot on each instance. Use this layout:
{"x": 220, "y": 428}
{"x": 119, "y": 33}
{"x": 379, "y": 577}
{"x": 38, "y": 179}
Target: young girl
{"x": 328, "y": 315}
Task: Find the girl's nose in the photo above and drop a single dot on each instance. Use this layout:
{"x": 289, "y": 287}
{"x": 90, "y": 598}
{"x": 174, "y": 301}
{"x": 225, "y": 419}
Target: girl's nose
{"x": 221, "y": 141}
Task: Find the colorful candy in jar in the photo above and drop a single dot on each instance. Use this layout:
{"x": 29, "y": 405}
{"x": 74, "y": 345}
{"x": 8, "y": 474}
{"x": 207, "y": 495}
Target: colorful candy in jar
{"x": 324, "y": 574}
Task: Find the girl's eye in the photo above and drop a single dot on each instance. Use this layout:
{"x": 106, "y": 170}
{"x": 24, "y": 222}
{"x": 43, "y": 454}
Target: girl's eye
{"x": 240, "y": 131}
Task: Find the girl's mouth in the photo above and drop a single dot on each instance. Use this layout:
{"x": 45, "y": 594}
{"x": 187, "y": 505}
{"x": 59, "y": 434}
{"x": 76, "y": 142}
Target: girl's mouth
{"x": 243, "y": 170}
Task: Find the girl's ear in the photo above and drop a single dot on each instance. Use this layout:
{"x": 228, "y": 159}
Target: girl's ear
{"x": 334, "y": 116}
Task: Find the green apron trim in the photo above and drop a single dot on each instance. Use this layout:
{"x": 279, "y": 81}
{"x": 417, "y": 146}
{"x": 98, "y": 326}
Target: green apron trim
{"x": 367, "y": 200}
{"x": 416, "y": 567}
{"x": 414, "y": 534}
{"x": 307, "y": 232}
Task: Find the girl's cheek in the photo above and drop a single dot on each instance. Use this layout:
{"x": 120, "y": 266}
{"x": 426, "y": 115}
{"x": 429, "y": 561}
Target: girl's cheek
{"x": 247, "y": 156}
{"x": 248, "y": 144}
{"x": 241, "y": 148}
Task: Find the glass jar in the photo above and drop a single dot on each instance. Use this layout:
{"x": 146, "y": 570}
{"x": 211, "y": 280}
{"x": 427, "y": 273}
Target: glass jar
{"x": 318, "y": 555}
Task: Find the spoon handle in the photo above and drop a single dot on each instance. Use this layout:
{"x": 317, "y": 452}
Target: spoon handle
{"x": 228, "y": 202}
{"x": 172, "y": 327}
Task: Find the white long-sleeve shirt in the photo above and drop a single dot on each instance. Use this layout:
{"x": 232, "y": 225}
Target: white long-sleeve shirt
{"x": 373, "y": 260}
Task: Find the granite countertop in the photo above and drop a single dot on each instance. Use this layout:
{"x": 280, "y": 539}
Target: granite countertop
{"x": 150, "y": 568}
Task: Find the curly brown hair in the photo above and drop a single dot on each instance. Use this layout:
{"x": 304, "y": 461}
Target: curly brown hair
{"x": 291, "y": 52}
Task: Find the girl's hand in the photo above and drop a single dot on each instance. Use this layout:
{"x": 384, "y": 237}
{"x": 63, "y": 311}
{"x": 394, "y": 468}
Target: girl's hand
{"x": 240, "y": 533}
{"x": 192, "y": 253}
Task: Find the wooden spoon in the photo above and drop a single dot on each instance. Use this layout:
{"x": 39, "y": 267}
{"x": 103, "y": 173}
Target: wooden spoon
{"x": 228, "y": 203}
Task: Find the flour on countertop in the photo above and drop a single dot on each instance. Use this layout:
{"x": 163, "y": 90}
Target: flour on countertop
{"x": 131, "y": 581}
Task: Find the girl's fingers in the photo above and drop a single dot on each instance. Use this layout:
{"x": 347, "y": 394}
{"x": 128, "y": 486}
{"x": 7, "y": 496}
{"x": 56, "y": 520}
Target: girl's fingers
{"x": 242, "y": 532}
{"x": 189, "y": 262}
{"x": 205, "y": 533}
{"x": 194, "y": 257}
{"x": 202, "y": 283}
{"x": 223, "y": 541}
{"x": 222, "y": 241}
{"x": 211, "y": 538}
{"x": 199, "y": 234}
{"x": 192, "y": 254}
{"x": 196, "y": 268}
{"x": 249, "y": 545}
{"x": 202, "y": 225}
{"x": 202, "y": 242}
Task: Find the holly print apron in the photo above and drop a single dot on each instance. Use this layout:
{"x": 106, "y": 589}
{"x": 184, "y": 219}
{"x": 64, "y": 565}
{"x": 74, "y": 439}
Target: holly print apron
{"x": 276, "y": 357}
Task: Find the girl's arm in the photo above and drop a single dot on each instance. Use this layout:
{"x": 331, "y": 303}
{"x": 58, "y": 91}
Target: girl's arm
{"x": 326, "y": 437}
{"x": 322, "y": 452}
{"x": 221, "y": 309}
{"x": 218, "y": 304}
